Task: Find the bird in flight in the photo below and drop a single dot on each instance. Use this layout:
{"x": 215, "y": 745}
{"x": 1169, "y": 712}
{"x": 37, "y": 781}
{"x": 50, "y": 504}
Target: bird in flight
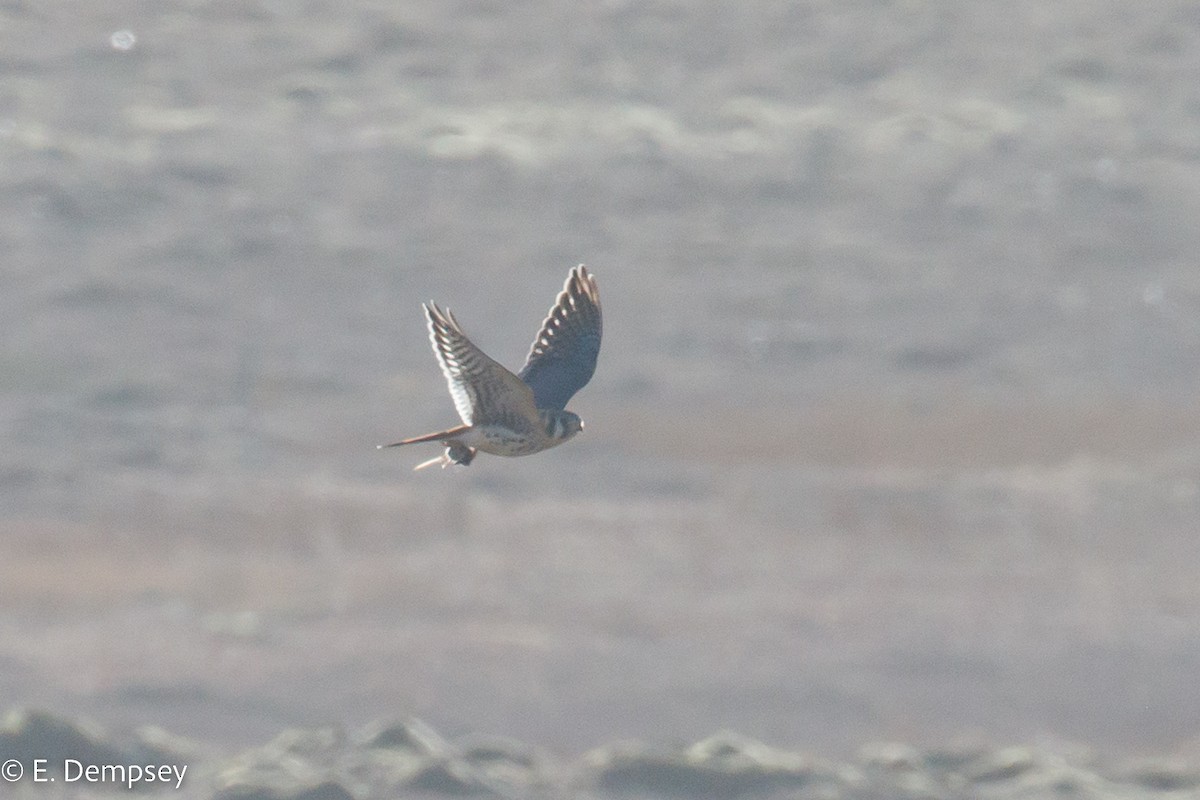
{"x": 516, "y": 415}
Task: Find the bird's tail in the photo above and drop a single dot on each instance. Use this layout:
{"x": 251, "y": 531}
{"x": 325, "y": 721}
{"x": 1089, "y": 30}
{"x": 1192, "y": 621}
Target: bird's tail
{"x": 439, "y": 436}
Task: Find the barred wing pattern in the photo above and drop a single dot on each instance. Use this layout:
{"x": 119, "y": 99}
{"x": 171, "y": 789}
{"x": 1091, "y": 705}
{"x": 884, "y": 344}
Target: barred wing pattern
{"x": 484, "y": 391}
{"x": 563, "y": 357}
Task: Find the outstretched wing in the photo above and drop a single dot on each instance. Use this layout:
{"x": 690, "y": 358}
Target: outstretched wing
{"x": 563, "y": 357}
{"x": 484, "y": 391}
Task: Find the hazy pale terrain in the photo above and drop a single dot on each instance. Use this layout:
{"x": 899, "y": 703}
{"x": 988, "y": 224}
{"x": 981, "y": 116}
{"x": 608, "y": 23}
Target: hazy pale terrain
{"x": 894, "y": 434}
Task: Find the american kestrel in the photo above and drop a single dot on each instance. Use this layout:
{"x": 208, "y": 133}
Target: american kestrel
{"x": 517, "y": 415}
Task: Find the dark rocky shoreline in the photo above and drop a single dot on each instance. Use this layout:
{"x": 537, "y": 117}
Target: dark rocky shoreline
{"x": 410, "y": 759}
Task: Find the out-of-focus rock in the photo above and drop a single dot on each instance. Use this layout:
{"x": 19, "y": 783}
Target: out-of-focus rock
{"x": 326, "y": 790}
{"x": 725, "y": 765}
{"x": 28, "y": 734}
{"x": 1001, "y": 765}
{"x": 1162, "y": 775}
{"x": 294, "y": 762}
{"x": 412, "y": 735}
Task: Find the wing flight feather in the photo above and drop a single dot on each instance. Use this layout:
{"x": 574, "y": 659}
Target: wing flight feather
{"x": 563, "y": 357}
{"x": 483, "y": 390}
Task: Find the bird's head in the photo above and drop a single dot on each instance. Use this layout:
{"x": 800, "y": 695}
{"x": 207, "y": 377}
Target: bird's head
{"x": 561, "y": 425}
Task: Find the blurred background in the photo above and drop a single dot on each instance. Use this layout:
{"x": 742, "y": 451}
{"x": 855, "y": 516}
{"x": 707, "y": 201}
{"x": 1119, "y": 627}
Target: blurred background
{"x": 894, "y": 431}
